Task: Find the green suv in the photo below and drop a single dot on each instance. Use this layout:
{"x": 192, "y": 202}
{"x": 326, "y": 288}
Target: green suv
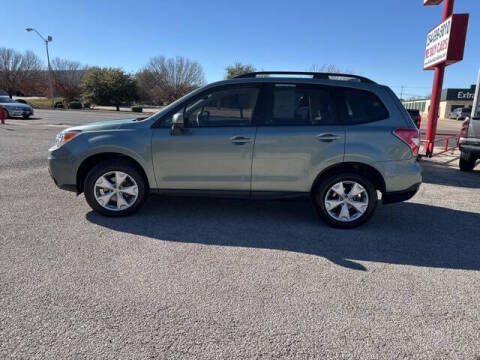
{"x": 339, "y": 138}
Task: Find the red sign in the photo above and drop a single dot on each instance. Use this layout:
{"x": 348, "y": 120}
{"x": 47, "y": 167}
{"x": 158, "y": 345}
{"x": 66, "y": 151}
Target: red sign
{"x": 431, "y": 2}
{"x": 446, "y": 42}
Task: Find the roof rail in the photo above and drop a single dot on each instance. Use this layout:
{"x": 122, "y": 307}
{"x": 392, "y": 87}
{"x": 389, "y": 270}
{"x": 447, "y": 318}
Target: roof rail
{"x": 315, "y": 75}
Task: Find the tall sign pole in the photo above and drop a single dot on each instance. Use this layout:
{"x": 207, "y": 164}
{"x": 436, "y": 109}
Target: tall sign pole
{"x": 436, "y": 89}
{"x": 445, "y": 46}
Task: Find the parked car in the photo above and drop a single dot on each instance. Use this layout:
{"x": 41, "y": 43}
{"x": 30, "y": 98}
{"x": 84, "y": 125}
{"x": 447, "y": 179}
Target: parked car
{"x": 338, "y": 141}
{"x": 15, "y": 109}
{"x": 460, "y": 113}
{"x": 469, "y": 144}
{"x": 416, "y": 117}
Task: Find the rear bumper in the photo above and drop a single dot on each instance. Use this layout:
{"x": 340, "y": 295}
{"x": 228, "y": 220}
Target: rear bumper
{"x": 470, "y": 145}
{"x": 398, "y": 196}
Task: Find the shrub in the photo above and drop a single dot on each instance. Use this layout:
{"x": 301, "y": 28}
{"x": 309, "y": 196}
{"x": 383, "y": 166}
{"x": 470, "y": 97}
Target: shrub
{"x": 87, "y": 105}
{"x": 74, "y": 105}
{"x": 59, "y": 105}
{"x": 137, "y": 108}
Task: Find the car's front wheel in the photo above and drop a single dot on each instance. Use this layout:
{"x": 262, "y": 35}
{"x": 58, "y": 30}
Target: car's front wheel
{"x": 115, "y": 188}
{"x": 345, "y": 200}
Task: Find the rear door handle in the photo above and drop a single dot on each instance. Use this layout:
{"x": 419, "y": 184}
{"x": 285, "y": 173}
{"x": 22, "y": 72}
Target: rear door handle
{"x": 327, "y": 137}
{"x": 240, "y": 140}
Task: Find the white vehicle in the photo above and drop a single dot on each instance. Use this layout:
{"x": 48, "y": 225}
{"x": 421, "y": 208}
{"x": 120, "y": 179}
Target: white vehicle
{"x": 14, "y": 108}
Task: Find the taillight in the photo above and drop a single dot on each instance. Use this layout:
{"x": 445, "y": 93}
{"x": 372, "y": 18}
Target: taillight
{"x": 411, "y": 137}
{"x": 464, "y": 128}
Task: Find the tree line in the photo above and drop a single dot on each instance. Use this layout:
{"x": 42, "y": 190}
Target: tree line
{"x": 161, "y": 81}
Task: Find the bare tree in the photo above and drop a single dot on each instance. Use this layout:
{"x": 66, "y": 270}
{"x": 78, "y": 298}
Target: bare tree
{"x": 20, "y": 72}
{"x": 330, "y": 68}
{"x": 238, "y": 69}
{"x": 165, "y": 80}
{"x": 67, "y": 77}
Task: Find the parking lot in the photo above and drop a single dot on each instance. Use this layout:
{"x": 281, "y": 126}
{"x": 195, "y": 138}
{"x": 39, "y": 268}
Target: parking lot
{"x": 231, "y": 279}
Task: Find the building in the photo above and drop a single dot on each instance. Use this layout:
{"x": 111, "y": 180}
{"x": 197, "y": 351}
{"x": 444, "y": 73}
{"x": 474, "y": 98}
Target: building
{"x": 450, "y": 100}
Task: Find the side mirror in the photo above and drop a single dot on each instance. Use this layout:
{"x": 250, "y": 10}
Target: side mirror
{"x": 203, "y": 116}
{"x": 177, "y": 124}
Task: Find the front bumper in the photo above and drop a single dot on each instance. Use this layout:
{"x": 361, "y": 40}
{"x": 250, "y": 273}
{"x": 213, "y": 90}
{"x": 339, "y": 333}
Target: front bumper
{"x": 62, "y": 169}
{"x": 20, "y": 113}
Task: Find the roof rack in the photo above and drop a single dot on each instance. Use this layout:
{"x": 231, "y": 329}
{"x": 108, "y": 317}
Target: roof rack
{"x": 315, "y": 75}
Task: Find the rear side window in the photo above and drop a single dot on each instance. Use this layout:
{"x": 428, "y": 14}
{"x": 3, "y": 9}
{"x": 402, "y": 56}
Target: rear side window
{"x": 298, "y": 105}
{"x": 363, "y": 106}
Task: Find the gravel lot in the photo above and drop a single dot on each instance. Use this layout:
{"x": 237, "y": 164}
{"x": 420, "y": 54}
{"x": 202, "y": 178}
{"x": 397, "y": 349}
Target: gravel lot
{"x": 231, "y": 279}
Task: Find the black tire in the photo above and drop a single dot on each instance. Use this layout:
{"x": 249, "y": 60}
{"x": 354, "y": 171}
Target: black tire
{"x": 109, "y": 166}
{"x": 6, "y": 113}
{"x": 321, "y": 190}
{"x": 467, "y": 161}
{"x": 25, "y": 117}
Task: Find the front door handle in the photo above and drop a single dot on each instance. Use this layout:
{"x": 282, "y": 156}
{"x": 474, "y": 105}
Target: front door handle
{"x": 240, "y": 140}
{"x": 327, "y": 137}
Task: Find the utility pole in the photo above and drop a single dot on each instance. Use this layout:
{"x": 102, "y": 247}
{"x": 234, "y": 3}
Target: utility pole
{"x": 50, "y": 82}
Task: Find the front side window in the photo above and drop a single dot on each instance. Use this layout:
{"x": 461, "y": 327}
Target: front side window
{"x": 363, "y": 107}
{"x": 225, "y": 107}
{"x": 297, "y": 105}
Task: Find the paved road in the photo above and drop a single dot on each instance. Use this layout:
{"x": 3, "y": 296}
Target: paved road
{"x": 445, "y": 125}
{"x": 231, "y": 279}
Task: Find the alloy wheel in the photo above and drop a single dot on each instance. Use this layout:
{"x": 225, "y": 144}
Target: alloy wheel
{"x": 346, "y": 201}
{"x": 115, "y": 191}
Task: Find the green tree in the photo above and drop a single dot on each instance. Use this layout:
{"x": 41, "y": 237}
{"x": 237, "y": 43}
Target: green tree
{"x": 108, "y": 86}
{"x": 238, "y": 69}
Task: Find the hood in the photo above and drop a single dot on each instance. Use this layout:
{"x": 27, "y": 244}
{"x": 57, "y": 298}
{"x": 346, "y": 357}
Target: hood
{"x": 16, "y": 106}
{"x": 108, "y": 125}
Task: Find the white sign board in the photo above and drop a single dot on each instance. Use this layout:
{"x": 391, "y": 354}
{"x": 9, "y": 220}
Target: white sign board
{"x": 438, "y": 39}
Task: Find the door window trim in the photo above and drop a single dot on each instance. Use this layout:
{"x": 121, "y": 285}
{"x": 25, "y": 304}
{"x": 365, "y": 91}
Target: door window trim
{"x": 268, "y": 104}
{"x": 257, "y": 111}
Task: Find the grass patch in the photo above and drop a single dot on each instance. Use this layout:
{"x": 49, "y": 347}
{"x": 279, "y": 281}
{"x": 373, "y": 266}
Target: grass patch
{"x": 41, "y": 103}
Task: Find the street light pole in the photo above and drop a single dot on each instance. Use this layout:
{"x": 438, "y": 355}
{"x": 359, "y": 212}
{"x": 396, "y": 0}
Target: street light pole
{"x": 50, "y": 83}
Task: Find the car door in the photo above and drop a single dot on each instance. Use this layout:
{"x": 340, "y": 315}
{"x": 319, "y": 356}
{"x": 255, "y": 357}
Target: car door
{"x": 214, "y": 150}
{"x": 301, "y": 136}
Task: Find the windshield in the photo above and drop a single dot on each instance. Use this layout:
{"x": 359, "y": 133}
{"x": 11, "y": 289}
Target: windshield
{"x": 5, "y": 99}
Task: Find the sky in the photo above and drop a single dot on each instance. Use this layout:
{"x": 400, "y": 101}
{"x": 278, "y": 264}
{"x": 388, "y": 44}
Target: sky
{"x": 380, "y": 39}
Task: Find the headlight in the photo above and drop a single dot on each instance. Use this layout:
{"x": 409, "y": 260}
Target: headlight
{"x": 64, "y": 136}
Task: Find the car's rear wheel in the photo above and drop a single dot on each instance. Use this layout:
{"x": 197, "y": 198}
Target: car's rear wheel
{"x": 115, "y": 188}
{"x": 345, "y": 200}
{"x": 467, "y": 161}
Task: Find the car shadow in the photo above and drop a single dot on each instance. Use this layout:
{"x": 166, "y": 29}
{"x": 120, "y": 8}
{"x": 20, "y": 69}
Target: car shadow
{"x": 405, "y": 233}
{"x": 441, "y": 174}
